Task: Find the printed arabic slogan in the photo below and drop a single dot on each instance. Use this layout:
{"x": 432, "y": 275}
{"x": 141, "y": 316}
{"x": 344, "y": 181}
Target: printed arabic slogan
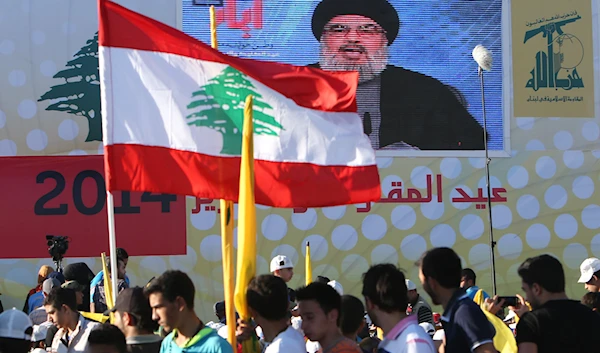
{"x": 553, "y": 66}
{"x": 397, "y": 195}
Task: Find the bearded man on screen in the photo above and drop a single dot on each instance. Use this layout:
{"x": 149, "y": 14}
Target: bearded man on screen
{"x": 400, "y": 109}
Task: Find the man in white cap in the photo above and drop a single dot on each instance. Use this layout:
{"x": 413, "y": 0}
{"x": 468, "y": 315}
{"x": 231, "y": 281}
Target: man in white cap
{"x": 418, "y": 304}
{"x": 590, "y": 274}
{"x": 281, "y": 266}
{"x": 15, "y": 331}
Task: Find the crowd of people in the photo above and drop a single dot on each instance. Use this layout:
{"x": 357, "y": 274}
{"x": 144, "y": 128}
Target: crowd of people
{"x": 392, "y": 316}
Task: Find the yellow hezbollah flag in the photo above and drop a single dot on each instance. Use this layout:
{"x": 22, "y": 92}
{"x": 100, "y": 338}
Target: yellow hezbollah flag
{"x": 246, "y": 255}
{"x": 504, "y": 340}
{"x": 308, "y": 265}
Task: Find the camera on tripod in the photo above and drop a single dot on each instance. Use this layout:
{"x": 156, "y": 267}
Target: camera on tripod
{"x": 57, "y": 248}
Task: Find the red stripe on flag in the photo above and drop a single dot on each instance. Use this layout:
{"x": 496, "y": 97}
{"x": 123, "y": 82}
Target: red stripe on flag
{"x": 159, "y": 169}
{"x": 308, "y": 87}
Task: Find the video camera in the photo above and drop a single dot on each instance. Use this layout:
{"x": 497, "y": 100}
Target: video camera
{"x": 57, "y": 248}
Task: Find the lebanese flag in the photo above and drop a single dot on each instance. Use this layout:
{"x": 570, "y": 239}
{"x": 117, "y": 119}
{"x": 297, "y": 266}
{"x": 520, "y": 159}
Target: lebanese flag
{"x": 172, "y": 114}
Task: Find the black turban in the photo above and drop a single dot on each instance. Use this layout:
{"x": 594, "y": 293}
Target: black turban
{"x": 380, "y": 11}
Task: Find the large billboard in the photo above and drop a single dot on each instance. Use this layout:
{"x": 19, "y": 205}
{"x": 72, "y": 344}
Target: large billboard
{"x": 419, "y": 92}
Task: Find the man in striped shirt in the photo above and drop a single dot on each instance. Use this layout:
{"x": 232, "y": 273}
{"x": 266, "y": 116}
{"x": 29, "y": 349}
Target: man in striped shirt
{"x": 418, "y": 304}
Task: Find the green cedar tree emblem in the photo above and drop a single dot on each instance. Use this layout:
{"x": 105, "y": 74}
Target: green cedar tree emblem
{"x": 80, "y": 92}
{"x": 219, "y": 105}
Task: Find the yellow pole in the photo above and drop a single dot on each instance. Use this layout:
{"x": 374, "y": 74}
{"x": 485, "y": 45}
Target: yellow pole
{"x": 213, "y": 28}
{"x": 107, "y": 286}
{"x": 308, "y": 265}
{"x": 246, "y": 254}
{"x": 228, "y": 270}
{"x": 226, "y": 232}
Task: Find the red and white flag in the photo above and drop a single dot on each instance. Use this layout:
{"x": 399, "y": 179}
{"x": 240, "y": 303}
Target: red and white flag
{"x": 172, "y": 110}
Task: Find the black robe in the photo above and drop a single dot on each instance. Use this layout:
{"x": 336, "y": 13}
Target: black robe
{"x": 425, "y": 113}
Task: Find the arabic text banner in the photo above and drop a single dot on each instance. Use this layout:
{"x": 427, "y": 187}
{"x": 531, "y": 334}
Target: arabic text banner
{"x": 553, "y": 59}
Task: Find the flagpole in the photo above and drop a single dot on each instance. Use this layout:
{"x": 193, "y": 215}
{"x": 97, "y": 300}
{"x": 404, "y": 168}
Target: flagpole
{"x": 308, "y": 266}
{"x": 112, "y": 243}
{"x": 226, "y": 232}
{"x": 246, "y": 252}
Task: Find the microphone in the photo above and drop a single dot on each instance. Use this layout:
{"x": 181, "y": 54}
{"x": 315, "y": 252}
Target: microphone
{"x": 483, "y": 57}
{"x": 367, "y": 127}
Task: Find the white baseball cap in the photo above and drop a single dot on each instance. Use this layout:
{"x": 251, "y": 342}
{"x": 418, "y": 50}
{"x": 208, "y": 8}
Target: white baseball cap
{"x": 410, "y": 285}
{"x": 40, "y": 332}
{"x": 588, "y": 268}
{"x": 280, "y": 262}
{"x": 337, "y": 286}
{"x": 15, "y": 324}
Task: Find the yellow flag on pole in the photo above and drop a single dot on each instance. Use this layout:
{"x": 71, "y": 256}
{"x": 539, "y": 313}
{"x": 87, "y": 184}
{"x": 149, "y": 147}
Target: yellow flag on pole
{"x": 226, "y": 231}
{"x": 246, "y": 254}
{"x": 308, "y": 265}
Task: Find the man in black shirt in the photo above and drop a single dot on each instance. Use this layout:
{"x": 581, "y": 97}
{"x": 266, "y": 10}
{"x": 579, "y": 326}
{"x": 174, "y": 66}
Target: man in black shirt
{"x": 556, "y": 323}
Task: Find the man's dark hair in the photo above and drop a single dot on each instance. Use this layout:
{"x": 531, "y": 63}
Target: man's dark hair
{"x": 59, "y": 296}
{"x": 352, "y": 314}
{"x": 443, "y": 265}
{"x": 546, "y": 271}
{"x": 122, "y": 254}
{"x": 322, "y": 279}
{"x": 591, "y": 300}
{"x": 327, "y": 297}
{"x": 173, "y": 284}
{"x": 469, "y": 274}
{"x": 385, "y": 286}
{"x": 144, "y": 323}
{"x": 110, "y": 335}
{"x": 268, "y": 296}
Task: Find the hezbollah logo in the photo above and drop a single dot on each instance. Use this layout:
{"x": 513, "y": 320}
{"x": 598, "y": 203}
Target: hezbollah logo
{"x": 79, "y": 94}
{"x": 219, "y": 105}
{"x": 556, "y": 67}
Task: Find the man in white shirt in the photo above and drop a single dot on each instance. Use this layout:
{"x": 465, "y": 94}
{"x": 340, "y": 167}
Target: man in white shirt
{"x": 268, "y": 303}
{"x": 386, "y": 298}
{"x": 73, "y": 329}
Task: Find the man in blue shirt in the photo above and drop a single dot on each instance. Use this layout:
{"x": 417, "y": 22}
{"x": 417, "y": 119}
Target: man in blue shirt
{"x": 121, "y": 255}
{"x": 171, "y": 298}
{"x": 466, "y": 328}
{"x": 467, "y": 282}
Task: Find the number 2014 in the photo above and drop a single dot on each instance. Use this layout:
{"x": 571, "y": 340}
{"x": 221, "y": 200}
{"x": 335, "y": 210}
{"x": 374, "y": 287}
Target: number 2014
{"x": 40, "y": 207}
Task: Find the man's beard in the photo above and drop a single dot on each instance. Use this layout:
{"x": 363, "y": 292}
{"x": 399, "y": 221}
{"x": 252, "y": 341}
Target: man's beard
{"x": 432, "y": 294}
{"x": 329, "y": 60}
